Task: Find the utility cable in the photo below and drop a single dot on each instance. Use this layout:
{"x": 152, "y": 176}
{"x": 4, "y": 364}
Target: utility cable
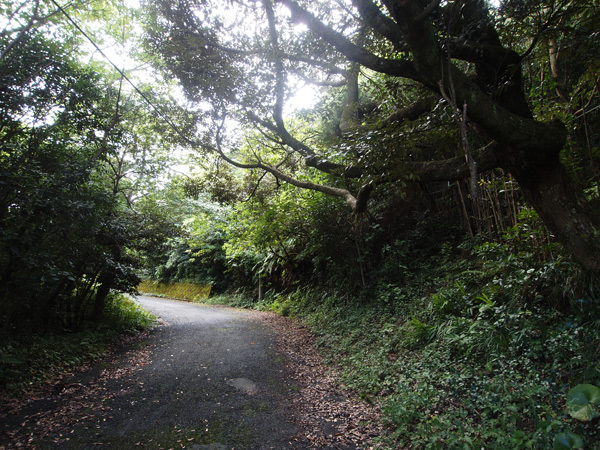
{"x": 126, "y": 78}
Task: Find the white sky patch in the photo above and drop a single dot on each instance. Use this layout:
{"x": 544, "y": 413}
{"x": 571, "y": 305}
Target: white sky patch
{"x": 300, "y": 27}
{"x": 305, "y": 97}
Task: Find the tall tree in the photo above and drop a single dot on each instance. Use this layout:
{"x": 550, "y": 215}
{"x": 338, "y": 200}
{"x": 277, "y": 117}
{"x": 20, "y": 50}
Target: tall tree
{"x": 75, "y": 151}
{"x": 399, "y": 61}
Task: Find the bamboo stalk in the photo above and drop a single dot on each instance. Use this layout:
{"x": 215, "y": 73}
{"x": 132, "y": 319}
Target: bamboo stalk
{"x": 464, "y": 208}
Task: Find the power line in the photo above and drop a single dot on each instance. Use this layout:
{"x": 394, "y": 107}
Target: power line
{"x": 125, "y": 77}
{"x": 584, "y": 112}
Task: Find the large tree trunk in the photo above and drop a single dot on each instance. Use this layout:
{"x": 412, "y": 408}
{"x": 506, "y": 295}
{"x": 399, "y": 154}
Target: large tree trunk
{"x": 105, "y": 282}
{"x": 548, "y": 188}
{"x": 529, "y": 149}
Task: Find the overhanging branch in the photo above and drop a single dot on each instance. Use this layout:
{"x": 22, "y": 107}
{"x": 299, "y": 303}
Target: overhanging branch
{"x": 395, "y": 67}
{"x": 410, "y": 112}
{"x": 457, "y": 168}
{"x": 311, "y": 159}
{"x": 357, "y": 204}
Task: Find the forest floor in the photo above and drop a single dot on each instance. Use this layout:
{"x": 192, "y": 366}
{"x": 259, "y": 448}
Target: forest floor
{"x": 205, "y": 378}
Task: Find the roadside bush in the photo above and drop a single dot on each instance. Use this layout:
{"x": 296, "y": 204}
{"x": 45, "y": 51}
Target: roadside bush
{"x": 34, "y": 358}
{"x": 475, "y": 346}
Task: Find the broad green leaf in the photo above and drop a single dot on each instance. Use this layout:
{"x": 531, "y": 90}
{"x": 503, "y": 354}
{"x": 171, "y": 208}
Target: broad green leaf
{"x": 582, "y": 402}
{"x": 567, "y": 441}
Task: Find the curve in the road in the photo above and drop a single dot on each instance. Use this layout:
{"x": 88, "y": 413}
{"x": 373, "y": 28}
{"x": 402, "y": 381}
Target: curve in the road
{"x": 214, "y": 380}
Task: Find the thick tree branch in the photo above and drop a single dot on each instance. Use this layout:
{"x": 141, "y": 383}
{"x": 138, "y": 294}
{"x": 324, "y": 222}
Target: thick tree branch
{"x": 496, "y": 57}
{"x": 456, "y": 168}
{"x": 395, "y": 67}
{"x": 396, "y": 118}
{"x": 410, "y": 112}
{"x": 428, "y": 10}
{"x": 518, "y": 132}
{"x": 279, "y": 73}
{"x": 372, "y": 16}
{"x": 280, "y": 129}
{"x": 357, "y": 203}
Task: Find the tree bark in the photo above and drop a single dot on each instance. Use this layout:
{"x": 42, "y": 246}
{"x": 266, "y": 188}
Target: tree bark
{"x": 105, "y": 284}
{"x": 548, "y": 188}
{"x": 528, "y": 149}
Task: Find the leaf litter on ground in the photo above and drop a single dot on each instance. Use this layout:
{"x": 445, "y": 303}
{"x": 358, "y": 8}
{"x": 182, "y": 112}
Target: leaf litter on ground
{"x": 330, "y": 416}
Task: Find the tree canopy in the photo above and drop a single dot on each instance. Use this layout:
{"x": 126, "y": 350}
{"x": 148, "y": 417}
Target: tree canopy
{"x": 76, "y": 150}
{"x": 415, "y": 89}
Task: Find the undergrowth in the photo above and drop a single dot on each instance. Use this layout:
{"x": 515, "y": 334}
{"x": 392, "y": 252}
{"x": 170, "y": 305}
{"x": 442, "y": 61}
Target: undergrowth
{"x": 471, "y": 346}
{"x": 29, "y": 359}
{"x": 181, "y": 290}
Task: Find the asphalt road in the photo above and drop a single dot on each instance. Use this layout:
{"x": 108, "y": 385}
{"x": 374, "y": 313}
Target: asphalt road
{"x": 212, "y": 379}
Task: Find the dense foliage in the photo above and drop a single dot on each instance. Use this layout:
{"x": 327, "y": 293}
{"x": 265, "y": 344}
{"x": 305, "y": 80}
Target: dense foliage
{"x": 435, "y": 91}
{"x": 453, "y": 296}
{"x": 59, "y": 221}
{"x": 74, "y": 155}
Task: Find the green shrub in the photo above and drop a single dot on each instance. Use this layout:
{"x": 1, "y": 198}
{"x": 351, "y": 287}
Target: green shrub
{"x": 475, "y": 356}
{"x": 31, "y": 359}
{"x": 123, "y": 315}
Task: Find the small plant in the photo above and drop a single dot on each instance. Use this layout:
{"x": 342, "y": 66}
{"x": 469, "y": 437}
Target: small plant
{"x": 582, "y": 404}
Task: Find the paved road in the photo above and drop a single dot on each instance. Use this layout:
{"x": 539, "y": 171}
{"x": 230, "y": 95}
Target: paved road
{"x": 212, "y": 380}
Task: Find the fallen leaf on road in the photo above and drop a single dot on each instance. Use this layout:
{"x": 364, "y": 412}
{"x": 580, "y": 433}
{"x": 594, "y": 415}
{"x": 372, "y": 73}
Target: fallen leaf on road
{"x": 321, "y": 400}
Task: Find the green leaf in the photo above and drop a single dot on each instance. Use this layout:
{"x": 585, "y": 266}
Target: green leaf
{"x": 567, "y": 441}
{"x": 581, "y": 400}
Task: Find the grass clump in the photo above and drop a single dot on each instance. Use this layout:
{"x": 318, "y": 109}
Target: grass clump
{"x": 234, "y": 300}
{"x": 29, "y": 359}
